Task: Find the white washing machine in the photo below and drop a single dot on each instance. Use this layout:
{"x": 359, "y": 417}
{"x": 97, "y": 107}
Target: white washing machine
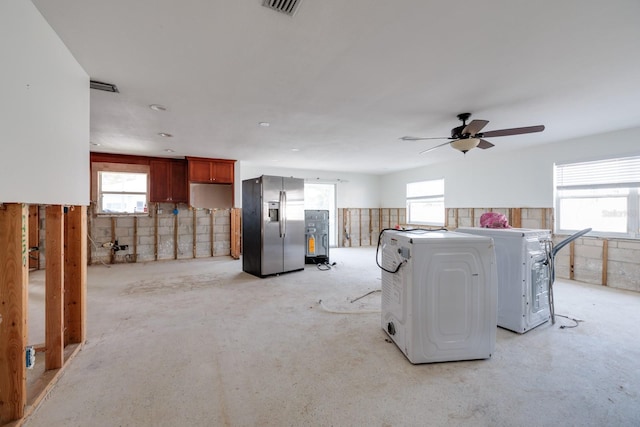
{"x": 439, "y": 294}
{"x": 523, "y": 275}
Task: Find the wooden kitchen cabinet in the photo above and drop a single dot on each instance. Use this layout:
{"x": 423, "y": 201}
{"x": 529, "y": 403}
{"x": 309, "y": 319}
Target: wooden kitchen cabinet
{"x": 168, "y": 181}
{"x": 212, "y": 171}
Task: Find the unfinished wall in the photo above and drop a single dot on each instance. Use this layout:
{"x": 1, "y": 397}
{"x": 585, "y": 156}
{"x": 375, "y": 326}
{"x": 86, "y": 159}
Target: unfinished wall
{"x": 361, "y": 226}
{"x": 165, "y": 234}
{"x": 540, "y": 218}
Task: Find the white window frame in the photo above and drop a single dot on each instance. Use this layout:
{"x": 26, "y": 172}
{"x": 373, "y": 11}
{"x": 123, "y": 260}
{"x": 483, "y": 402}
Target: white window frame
{"x": 430, "y": 196}
{"x": 96, "y": 192}
{"x": 600, "y": 179}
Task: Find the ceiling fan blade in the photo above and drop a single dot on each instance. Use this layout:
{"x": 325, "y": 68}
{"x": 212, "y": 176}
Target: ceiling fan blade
{"x": 433, "y": 148}
{"x": 474, "y": 127}
{"x": 417, "y": 138}
{"x": 513, "y": 131}
{"x": 484, "y": 144}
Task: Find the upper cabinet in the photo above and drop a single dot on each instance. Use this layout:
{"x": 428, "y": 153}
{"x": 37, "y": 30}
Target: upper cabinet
{"x": 168, "y": 181}
{"x": 212, "y": 171}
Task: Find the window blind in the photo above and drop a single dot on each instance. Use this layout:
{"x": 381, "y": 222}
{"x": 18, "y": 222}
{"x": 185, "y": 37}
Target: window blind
{"x": 598, "y": 173}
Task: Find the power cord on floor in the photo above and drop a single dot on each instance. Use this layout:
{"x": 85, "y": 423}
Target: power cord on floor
{"x": 570, "y": 318}
{"x": 368, "y": 293}
{"x": 325, "y": 266}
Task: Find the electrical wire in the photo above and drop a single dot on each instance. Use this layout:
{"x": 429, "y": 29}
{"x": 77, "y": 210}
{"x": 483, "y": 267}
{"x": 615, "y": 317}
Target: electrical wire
{"x": 570, "y": 318}
{"x": 410, "y": 230}
{"x": 96, "y": 247}
{"x": 325, "y": 266}
{"x": 330, "y": 310}
{"x": 368, "y": 293}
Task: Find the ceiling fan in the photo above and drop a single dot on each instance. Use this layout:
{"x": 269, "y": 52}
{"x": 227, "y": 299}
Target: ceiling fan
{"x": 468, "y": 136}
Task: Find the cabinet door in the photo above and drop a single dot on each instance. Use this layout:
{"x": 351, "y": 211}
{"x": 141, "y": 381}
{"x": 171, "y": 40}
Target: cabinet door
{"x": 159, "y": 190}
{"x": 168, "y": 181}
{"x": 223, "y": 172}
{"x": 200, "y": 171}
{"x": 178, "y": 181}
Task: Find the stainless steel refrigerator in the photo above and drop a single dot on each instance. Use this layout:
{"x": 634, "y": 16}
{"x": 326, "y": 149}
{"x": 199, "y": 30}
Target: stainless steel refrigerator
{"x": 273, "y": 237}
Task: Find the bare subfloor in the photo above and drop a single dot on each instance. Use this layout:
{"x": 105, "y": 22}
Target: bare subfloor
{"x": 200, "y": 343}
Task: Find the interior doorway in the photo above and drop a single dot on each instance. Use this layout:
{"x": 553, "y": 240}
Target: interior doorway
{"x": 322, "y": 197}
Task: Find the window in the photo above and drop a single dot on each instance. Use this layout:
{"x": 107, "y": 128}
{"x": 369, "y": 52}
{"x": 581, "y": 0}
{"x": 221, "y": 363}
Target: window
{"x": 425, "y": 202}
{"x": 120, "y": 188}
{"x": 602, "y": 195}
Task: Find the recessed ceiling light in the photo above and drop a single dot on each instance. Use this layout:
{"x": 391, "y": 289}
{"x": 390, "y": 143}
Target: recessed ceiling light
{"x": 95, "y": 144}
{"x": 165, "y": 135}
{"x": 295, "y": 149}
{"x": 265, "y": 124}
{"x": 169, "y": 150}
{"x": 158, "y": 107}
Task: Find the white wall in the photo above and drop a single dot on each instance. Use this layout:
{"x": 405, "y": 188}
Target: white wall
{"x": 44, "y": 112}
{"x": 352, "y": 191}
{"x": 522, "y": 178}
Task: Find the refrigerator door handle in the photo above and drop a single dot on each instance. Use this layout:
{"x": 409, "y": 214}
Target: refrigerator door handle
{"x": 283, "y": 213}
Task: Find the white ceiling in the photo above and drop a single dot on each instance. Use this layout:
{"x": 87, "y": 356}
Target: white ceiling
{"x": 341, "y": 81}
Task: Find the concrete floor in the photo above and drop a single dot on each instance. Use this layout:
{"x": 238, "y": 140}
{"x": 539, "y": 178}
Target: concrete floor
{"x": 200, "y": 343}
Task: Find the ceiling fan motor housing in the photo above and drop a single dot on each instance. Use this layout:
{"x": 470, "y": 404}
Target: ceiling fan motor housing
{"x": 456, "y": 133}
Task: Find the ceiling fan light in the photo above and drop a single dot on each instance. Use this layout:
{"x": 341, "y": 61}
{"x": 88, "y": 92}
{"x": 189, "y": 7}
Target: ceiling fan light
{"x": 465, "y": 145}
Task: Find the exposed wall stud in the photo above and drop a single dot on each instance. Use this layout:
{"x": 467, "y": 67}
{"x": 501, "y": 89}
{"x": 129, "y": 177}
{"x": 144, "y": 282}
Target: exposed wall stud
{"x": 175, "y": 231}
{"x": 54, "y": 281}
{"x": 13, "y": 310}
{"x": 155, "y": 233}
{"x": 195, "y": 226}
{"x": 135, "y": 239}
{"x": 605, "y": 261}
{"x": 75, "y": 275}
{"x": 572, "y": 256}
{"x": 213, "y": 223}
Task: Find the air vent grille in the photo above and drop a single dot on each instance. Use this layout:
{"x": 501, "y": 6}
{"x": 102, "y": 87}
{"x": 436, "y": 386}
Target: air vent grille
{"x": 288, "y": 7}
{"x": 107, "y": 87}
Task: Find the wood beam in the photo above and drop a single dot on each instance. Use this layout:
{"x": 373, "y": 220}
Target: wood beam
{"x": 195, "y": 235}
{"x": 212, "y": 222}
{"x": 572, "y": 259}
{"x": 155, "y": 233}
{"x": 175, "y": 231}
{"x": 75, "y": 275}
{"x": 605, "y": 261}
{"x": 236, "y": 227}
{"x": 34, "y": 237}
{"x": 516, "y": 217}
{"x": 54, "y": 281}
{"x": 14, "y": 272}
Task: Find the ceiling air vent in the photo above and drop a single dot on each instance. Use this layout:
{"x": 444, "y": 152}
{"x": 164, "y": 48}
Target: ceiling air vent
{"x": 107, "y": 87}
{"x": 288, "y": 7}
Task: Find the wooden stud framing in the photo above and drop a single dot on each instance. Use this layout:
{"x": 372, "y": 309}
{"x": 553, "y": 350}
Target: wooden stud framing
{"x": 236, "y": 227}
{"x": 473, "y": 217}
{"x": 213, "y": 224}
{"x": 75, "y": 275}
{"x": 543, "y": 221}
{"x": 175, "y": 231}
{"x": 34, "y": 237}
{"x": 572, "y": 257}
{"x": 135, "y": 239}
{"x": 13, "y": 310}
{"x": 516, "y": 217}
{"x": 155, "y": 234}
{"x": 370, "y": 227}
{"x": 605, "y": 261}
{"x": 54, "y": 294}
{"x": 195, "y": 225}
{"x": 112, "y": 253}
